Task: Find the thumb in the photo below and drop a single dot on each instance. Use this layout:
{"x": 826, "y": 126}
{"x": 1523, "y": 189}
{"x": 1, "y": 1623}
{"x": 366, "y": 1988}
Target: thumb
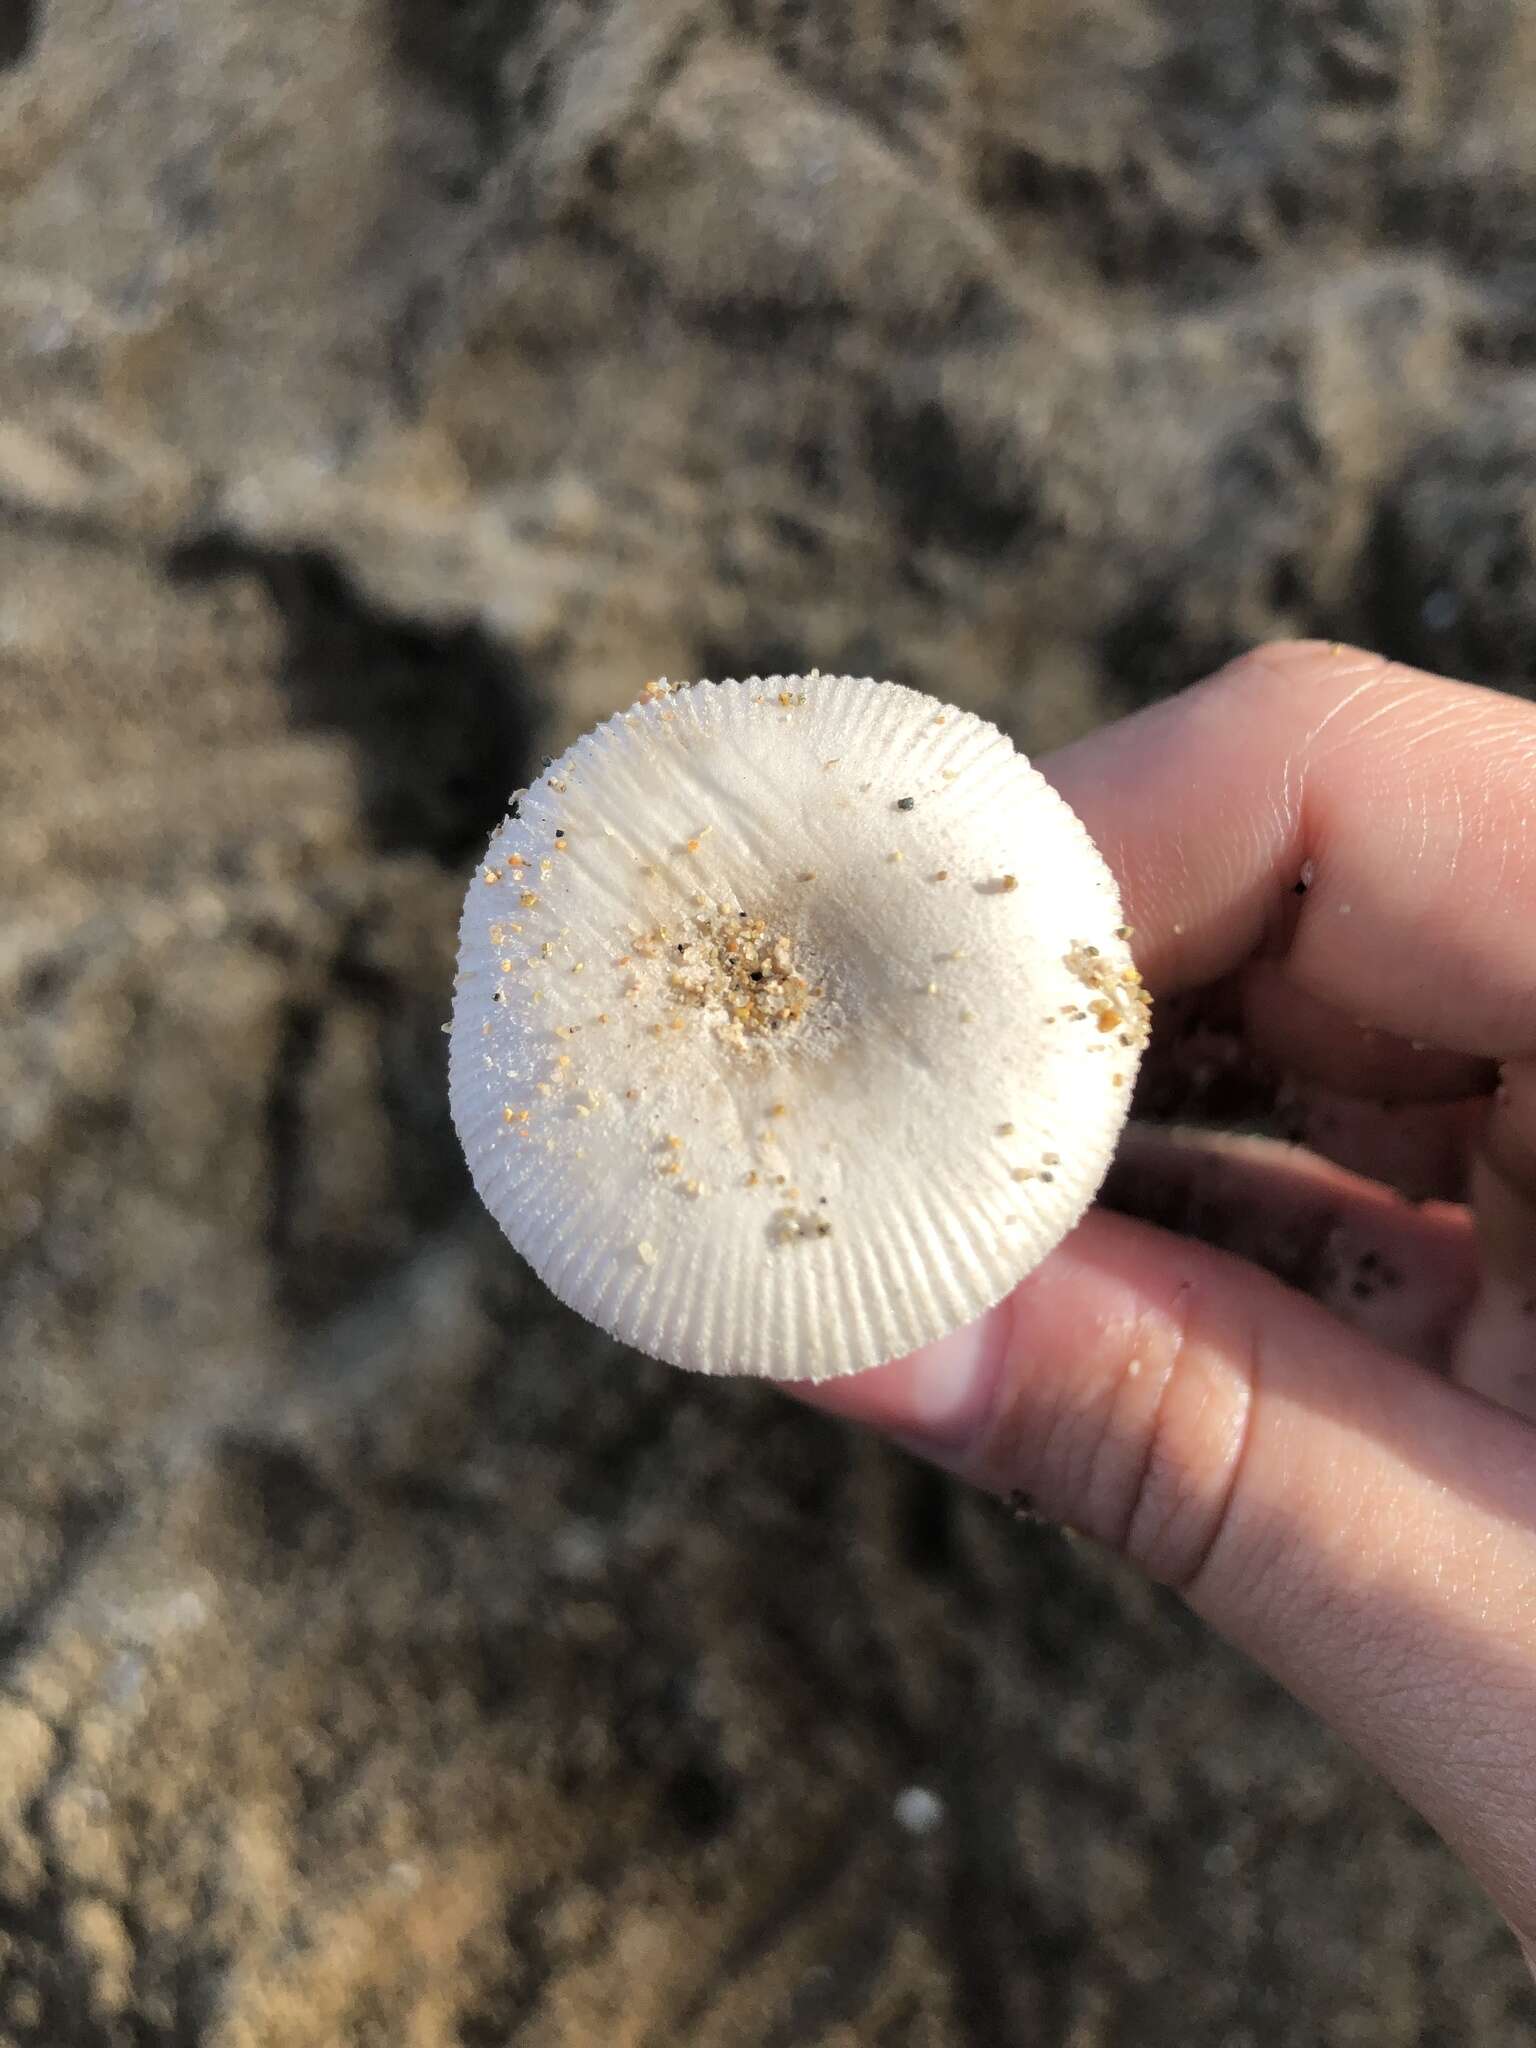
{"x": 1363, "y": 1529}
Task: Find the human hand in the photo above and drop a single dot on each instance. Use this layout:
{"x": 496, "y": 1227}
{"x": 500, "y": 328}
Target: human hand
{"x": 1342, "y": 854}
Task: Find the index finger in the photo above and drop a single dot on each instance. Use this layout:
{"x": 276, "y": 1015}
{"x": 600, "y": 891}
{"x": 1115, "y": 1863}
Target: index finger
{"x": 1372, "y": 823}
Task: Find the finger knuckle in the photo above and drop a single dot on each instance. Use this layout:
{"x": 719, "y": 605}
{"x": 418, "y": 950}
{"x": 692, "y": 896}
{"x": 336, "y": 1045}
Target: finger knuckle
{"x": 1285, "y": 667}
{"x": 1169, "y": 1504}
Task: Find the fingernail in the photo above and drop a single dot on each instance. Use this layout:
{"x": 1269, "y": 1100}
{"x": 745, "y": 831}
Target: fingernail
{"x": 946, "y": 1390}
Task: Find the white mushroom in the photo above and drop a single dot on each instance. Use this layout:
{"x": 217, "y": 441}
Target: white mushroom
{"x": 795, "y": 1023}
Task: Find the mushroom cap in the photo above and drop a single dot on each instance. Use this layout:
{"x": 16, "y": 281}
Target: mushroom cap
{"x": 795, "y": 1023}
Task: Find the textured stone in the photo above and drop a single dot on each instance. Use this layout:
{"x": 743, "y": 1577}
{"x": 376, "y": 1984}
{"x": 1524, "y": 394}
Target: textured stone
{"x": 385, "y": 390}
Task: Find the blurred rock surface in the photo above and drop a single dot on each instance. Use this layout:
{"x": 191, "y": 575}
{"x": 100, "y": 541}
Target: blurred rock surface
{"x": 386, "y": 389}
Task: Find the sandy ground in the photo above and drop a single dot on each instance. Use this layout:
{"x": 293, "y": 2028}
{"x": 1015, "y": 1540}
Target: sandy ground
{"x": 386, "y": 388}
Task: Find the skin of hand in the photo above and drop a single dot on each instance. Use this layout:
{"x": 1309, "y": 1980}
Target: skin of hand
{"x": 1340, "y": 854}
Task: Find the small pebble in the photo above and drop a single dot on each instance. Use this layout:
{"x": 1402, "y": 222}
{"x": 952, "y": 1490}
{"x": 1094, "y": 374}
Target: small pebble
{"x": 918, "y": 1810}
